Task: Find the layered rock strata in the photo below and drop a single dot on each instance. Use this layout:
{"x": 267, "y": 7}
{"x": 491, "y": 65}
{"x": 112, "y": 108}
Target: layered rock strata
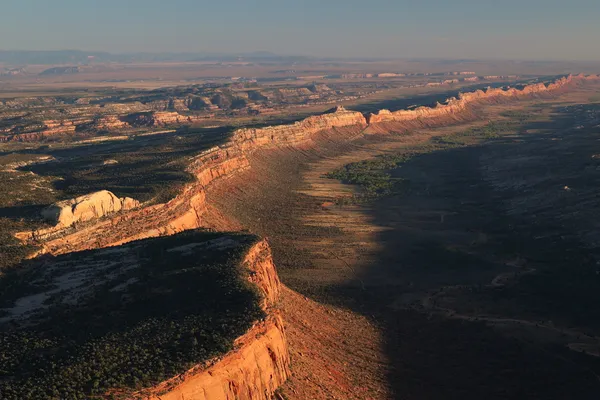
{"x": 454, "y": 107}
{"x": 85, "y": 208}
{"x": 259, "y": 363}
{"x": 187, "y": 209}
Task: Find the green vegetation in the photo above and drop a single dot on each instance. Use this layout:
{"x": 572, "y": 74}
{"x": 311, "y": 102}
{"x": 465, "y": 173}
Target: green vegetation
{"x": 177, "y": 308}
{"x": 12, "y": 251}
{"x": 145, "y": 168}
{"x": 517, "y": 115}
{"x": 374, "y": 175}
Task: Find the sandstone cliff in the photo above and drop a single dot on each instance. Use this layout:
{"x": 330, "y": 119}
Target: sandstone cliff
{"x": 187, "y": 209}
{"x": 109, "y": 123}
{"x": 259, "y": 363}
{"x": 300, "y": 131}
{"x": 157, "y": 118}
{"x": 455, "y": 107}
{"x": 253, "y": 371}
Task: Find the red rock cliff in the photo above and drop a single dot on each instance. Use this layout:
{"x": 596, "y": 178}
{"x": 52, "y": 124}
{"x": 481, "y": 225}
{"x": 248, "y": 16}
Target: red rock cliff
{"x": 187, "y": 209}
{"x": 259, "y": 363}
{"x": 454, "y": 107}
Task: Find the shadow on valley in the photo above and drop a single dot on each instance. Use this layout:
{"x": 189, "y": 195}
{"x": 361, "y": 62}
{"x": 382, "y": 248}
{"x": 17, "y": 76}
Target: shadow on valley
{"x": 24, "y": 212}
{"x": 489, "y": 267}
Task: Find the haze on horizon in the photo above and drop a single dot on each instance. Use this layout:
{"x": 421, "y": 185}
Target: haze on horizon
{"x": 511, "y": 29}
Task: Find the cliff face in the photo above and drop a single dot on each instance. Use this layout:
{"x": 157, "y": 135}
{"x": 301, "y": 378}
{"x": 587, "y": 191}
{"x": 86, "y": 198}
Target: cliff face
{"x": 187, "y": 209}
{"x": 297, "y": 132}
{"x": 259, "y": 363}
{"x": 157, "y": 118}
{"x": 455, "y": 107}
{"x": 258, "y": 366}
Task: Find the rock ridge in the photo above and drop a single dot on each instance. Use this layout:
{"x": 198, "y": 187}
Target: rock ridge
{"x": 259, "y": 363}
{"x": 187, "y": 209}
{"x": 455, "y": 106}
{"x": 88, "y": 207}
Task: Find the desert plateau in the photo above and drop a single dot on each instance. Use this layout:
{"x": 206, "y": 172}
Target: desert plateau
{"x": 256, "y": 225}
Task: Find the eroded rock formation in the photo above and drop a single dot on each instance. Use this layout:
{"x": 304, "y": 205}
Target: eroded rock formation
{"x": 253, "y": 371}
{"x": 187, "y": 209}
{"x": 259, "y": 363}
{"x": 455, "y": 107}
{"x": 157, "y": 118}
{"x": 86, "y": 208}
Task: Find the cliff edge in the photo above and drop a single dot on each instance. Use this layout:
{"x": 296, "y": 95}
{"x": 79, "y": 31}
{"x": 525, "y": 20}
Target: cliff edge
{"x": 106, "y": 323}
{"x": 187, "y": 209}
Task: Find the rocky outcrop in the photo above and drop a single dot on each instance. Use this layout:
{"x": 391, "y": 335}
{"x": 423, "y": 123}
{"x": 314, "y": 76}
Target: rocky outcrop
{"x": 455, "y": 107}
{"x": 85, "y": 208}
{"x": 157, "y": 119}
{"x": 259, "y": 363}
{"x": 109, "y": 123}
{"x": 61, "y": 70}
{"x": 187, "y": 210}
{"x": 389, "y": 75}
{"x": 300, "y": 131}
{"x": 253, "y": 371}
{"x": 256, "y": 366}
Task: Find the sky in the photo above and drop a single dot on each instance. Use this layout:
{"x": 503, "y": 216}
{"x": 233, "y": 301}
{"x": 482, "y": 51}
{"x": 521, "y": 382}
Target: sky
{"x": 504, "y": 29}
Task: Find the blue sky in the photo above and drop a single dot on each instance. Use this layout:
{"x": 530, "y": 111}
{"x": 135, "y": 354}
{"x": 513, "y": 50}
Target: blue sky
{"x": 523, "y": 29}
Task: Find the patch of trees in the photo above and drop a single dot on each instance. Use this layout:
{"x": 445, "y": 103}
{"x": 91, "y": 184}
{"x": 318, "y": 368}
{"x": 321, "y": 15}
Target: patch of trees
{"x": 183, "y": 309}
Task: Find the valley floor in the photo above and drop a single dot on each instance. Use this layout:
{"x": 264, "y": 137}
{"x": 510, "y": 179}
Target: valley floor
{"x": 452, "y": 289}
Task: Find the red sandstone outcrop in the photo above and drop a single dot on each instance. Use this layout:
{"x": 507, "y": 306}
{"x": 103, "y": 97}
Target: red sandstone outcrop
{"x": 300, "y": 131}
{"x": 110, "y": 123}
{"x": 158, "y": 118}
{"x": 454, "y": 107}
{"x": 50, "y": 128}
{"x": 58, "y": 128}
{"x": 253, "y": 371}
{"x": 259, "y": 363}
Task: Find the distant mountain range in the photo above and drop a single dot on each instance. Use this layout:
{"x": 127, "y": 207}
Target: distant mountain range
{"x": 20, "y": 57}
